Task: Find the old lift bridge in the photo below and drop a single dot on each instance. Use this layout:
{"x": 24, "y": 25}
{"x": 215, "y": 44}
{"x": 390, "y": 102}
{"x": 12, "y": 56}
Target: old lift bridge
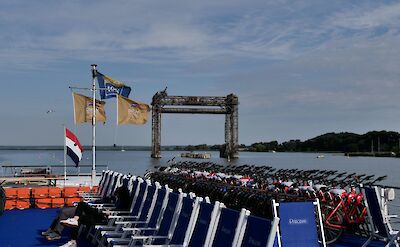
{"x": 164, "y": 103}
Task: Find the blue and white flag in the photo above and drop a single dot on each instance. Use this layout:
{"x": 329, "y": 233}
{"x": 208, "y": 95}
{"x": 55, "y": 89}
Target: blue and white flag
{"x": 111, "y": 88}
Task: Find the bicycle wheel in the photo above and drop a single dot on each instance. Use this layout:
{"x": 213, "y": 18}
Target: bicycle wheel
{"x": 332, "y": 225}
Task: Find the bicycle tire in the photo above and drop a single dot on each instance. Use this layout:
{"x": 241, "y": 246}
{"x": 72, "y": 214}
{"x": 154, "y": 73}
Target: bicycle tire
{"x": 332, "y": 234}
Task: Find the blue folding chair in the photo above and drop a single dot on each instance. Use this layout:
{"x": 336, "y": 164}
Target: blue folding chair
{"x": 379, "y": 223}
{"x": 258, "y": 232}
{"x": 227, "y": 231}
{"x": 167, "y": 216}
{"x": 150, "y": 220}
{"x": 178, "y": 228}
{"x": 150, "y": 196}
{"x": 87, "y": 196}
{"x": 102, "y": 183}
{"x": 121, "y": 181}
{"x": 204, "y": 223}
{"x": 297, "y": 225}
{"x": 109, "y": 189}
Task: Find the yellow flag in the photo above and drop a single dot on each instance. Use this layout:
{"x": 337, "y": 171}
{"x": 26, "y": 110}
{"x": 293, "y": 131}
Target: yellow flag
{"x": 131, "y": 112}
{"x": 83, "y": 109}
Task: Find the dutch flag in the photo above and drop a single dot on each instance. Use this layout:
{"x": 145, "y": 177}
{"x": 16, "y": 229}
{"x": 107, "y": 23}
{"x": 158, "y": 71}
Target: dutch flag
{"x": 74, "y": 147}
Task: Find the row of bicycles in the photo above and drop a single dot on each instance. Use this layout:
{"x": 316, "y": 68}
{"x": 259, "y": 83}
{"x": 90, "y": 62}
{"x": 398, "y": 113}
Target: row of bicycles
{"x": 253, "y": 187}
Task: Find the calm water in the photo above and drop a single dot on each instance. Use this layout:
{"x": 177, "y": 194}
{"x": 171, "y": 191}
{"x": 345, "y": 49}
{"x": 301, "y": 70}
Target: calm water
{"x": 137, "y": 162}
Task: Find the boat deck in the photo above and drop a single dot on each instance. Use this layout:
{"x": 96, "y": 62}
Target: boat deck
{"x": 355, "y": 241}
{"x": 23, "y": 228}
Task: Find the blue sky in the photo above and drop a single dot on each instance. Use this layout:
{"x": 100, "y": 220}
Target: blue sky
{"x": 300, "y": 68}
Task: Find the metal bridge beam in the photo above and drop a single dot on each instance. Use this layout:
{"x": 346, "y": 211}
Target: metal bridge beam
{"x": 193, "y": 110}
{"x": 193, "y": 100}
{"x": 222, "y": 105}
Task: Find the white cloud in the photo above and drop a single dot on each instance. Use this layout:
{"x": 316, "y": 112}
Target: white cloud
{"x": 293, "y": 58}
{"x": 368, "y": 17}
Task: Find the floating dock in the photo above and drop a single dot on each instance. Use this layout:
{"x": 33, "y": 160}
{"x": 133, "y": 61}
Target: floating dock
{"x": 196, "y": 155}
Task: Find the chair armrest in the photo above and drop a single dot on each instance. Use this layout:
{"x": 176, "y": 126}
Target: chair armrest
{"x": 120, "y": 212}
{"x": 111, "y": 234}
{"x": 161, "y": 245}
{"x": 107, "y": 208}
{"x": 119, "y": 240}
{"x": 104, "y": 227}
{"x": 148, "y": 237}
{"x": 125, "y": 229}
{"x": 129, "y": 222}
{"x": 123, "y": 217}
{"x": 101, "y": 204}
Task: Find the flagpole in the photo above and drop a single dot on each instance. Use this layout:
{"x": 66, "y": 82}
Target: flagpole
{"x": 65, "y": 156}
{"x": 116, "y": 125}
{"x": 94, "y": 125}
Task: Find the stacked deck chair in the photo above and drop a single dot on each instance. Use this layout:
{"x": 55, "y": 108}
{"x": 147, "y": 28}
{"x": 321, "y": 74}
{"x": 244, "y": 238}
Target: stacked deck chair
{"x": 167, "y": 217}
{"x": 198, "y": 227}
{"x": 110, "y": 182}
{"x": 115, "y": 182}
{"x": 119, "y": 181}
{"x": 204, "y": 224}
{"x": 172, "y": 235}
{"x": 131, "y": 183}
{"x": 258, "y": 232}
{"x": 105, "y": 176}
{"x": 227, "y": 230}
{"x": 152, "y": 220}
{"x": 103, "y": 204}
{"x": 379, "y": 224}
{"x": 142, "y": 200}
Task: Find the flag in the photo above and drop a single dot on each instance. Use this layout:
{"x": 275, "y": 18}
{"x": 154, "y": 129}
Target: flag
{"x": 111, "y": 87}
{"x": 74, "y": 147}
{"x": 83, "y": 109}
{"x": 131, "y": 112}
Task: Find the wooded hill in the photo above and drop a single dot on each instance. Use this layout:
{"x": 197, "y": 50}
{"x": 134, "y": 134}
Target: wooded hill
{"x": 375, "y": 141}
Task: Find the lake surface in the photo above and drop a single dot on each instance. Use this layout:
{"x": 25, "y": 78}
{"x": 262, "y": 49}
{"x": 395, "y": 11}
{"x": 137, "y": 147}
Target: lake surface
{"x": 137, "y": 162}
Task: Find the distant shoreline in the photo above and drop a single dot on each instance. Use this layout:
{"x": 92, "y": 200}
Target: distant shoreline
{"x": 173, "y": 148}
{"x": 103, "y": 148}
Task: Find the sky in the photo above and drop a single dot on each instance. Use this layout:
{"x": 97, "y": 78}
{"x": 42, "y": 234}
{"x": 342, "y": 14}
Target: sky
{"x": 299, "y": 68}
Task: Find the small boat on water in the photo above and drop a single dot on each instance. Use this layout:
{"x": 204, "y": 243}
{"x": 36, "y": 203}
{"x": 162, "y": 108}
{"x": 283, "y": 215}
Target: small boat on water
{"x": 192, "y": 155}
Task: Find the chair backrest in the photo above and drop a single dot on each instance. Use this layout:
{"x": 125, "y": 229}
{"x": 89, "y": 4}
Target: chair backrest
{"x": 134, "y": 192}
{"x": 117, "y": 182}
{"x": 161, "y": 202}
{"x": 155, "y": 212}
{"x": 123, "y": 182}
{"x": 150, "y": 197}
{"x": 204, "y": 222}
{"x": 110, "y": 184}
{"x": 107, "y": 183}
{"x": 258, "y": 232}
{"x": 297, "y": 226}
{"x": 169, "y": 212}
{"x": 102, "y": 179}
{"x": 375, "y": 212}
{"x": 139, "y": 198}
{"x": 228, "y": 228}
{"x": 131, "y": 184}
{"x": 189, "y": 206}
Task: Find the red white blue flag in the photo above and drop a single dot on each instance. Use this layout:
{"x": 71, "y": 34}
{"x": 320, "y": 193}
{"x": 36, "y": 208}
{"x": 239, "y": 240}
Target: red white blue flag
{"x": 74, "y": 147}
